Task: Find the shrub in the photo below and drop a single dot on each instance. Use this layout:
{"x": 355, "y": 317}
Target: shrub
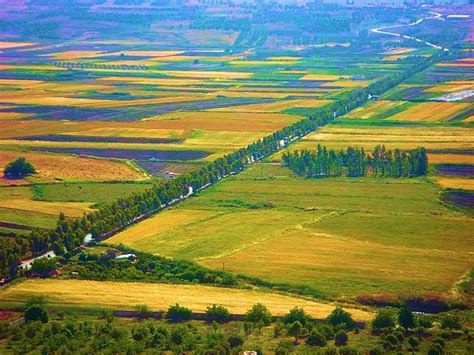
{"x": 143, "y": 311}
{"x": 296, "y": 315}
{"x": 399, "y": 336}
{"x": 316, "y": 339}
{"x": 178, "y": 314}
{"x": 413, "y": 342}
{"x": 345, "y": 350}
{"x": 375, "y": 351}
{"x": 36, "y": 313}
{"x": 450, "y": 322}
{"x": 439, "y": 341}
{"x": 392, "y": 339}
{"x": 18, "y": 169}
{"x": 388, "y": 346}
{"x": 435, "y": 349}
{"x": 383, "y": 319}
{"x": 339, "y": 316}
{"x": 328, "y": 332}
{"x": 259, "y": 313}
{"x": 406, "y": 318}
{"x": 218, "y": 314}
{"x": 341, "y": 338}
{"x": 283, "y": 347}
{"x": 295, "y": 329}
{"x": 235, "y": 341}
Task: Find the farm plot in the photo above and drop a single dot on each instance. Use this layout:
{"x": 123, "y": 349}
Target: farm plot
{"x": 432, "y": 112}
{"x": 296, "y": 229}
{"x": 124, "y": 296}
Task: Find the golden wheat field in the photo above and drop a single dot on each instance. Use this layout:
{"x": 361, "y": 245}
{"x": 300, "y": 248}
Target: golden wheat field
{"x": 124, "y": 296}
{"x": 70, "y": 209}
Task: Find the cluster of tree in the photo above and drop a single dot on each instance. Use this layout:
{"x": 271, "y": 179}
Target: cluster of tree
{"x": 356, "y": 162}
{"x": 108, "y": 220}
{"x": 146, "y": 267}
{"x": 395, "y": 330}
{"x": 18, "y": 169}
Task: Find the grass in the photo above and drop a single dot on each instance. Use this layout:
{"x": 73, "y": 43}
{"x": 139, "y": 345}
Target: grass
{"x": 391, "y": 233}
{"x": 431, "y": 111}
{"x": 93, "y": 192}
{"x": 70, "y": 209}
{"x": 277, "y": 106}
{"x": 29, "y": 219}
{"x": 124, "y": 296}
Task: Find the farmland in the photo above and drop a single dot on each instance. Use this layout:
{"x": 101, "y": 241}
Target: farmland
{"x": 153, "y": 133}
{"x": 124, "y": 296}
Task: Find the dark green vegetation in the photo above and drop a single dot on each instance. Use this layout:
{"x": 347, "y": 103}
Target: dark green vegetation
{"x": 326, "y": 163}
{"x": 48, "y": 331}
{"x": 18, "y": 169}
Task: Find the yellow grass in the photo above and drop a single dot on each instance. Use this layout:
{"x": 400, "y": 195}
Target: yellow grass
{"x": 7, "y": 45}
{"x": 451, "y": 158}
{"x": 393, "y": 58}
{"x": 455, "y": 183}
{"x": 71, "y": 55}
{"x": 152, "y": 81}
{"x": 124, "y": 296}
{"x": 456, "y": 64}
{"x": 285, "y": 58}
{"x": 54, "y": 166}
{"x": 262, "y": 62}
{"x": 19, "y": 82}
{"x": 348, "y": 83}
{"x": 13, "y": 115}
{"x": 207, "y": 74}
{"x": 70, "y": 209}
{"x": 400, "y": 51}
{"x": 452, "y": 86}
{"x": 430, "y": 111}
{"x": 324, "y": 77}
{"x": 277, "y": 106}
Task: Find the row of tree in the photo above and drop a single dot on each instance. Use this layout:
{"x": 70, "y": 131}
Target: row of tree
{"x": 108, "y": 220}
{"x": 356, "y": 162}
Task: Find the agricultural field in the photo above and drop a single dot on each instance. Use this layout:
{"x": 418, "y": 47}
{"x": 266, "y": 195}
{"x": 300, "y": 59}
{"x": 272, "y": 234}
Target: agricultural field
{"x": 298, "y": 229}
{"x": 125, "y": 296}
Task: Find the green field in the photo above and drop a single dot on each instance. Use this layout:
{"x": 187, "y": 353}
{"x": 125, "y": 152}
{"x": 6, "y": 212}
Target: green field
{"x": 341, "y": 237}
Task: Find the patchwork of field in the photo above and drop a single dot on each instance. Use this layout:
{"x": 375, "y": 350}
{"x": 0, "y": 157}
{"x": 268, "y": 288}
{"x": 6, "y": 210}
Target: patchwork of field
{"x": 119, "y": 111}
{"x": 158, "y": 297}
{"x": 264, "y": 222}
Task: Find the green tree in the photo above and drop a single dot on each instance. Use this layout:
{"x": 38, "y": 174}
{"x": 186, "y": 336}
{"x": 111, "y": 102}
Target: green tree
{"x": 259, "y": 314}
{"x": 341, "y": 338}
{"x": 177, "y": 314}
{"x": 18, "y": 169}
{"x": 406, "y": 318}
{"x": 295, "y": 329}
{"x": 339, "y": 316}
{"x": 383, "y": 319}
{"x": 315, "y": 339}
{"x": 43, "y": 266}
{"x": 296, "y": 314}
{"x": 36, "y": 312}
{"x": 218, "y": 314}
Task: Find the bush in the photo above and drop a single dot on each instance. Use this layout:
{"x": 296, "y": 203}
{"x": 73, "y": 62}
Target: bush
{"x": 284, "y": 347}
{"x": 328, "y": 332}
{"x": 439, "y": 341}
{"x": 295, "y": 329}
{"x": 392, "y": 339}
{"x": 435, "y": 349}
{"x": 413, "y": 342}
{"x": 399, "y": 336}
{"x": 315, "y": 339}
{"x": 259, "y": 314}
{"x": 341, "y": 338}
{"x": 383, "y": 319}
{"x": 406, "y": 318}
{"x": 18, "y": 169}
{"x": 235, "y": 341}
{"x": 347, "y": 351}
{"x": 296, "y": 315}
{"x": 339, "y": 316}
{"x": 451, "y": 322}
{"x": 375, "y": 351}
{"x": 36, "y": 313}
{"x": 177, "y": 314}
{"x": 218, "y": 314}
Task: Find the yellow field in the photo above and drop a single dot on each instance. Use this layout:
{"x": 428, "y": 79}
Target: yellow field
{"x": 348, "y": 83}
{"x": 55, "y": 166}
{"x": 400, "y": 51}
{"x": 7, "y": 45}
{"x": 207, "y": 74}
{"x": 262, "y": 62}
{"x": 452, "y": 86}
{"x": 152, "y": 81}
{"x": 277, "y": 106}
{"x": 393, "y": 58}
{"x": 452, "y": 158}
{"x": 124, "y": 296}
{"x": 70, "y": 209}
{"x": 455, "y": 183}
{"x": 13, "y": 115}
{"x": 324, "y": 77}
{"x": 431, "y": 111}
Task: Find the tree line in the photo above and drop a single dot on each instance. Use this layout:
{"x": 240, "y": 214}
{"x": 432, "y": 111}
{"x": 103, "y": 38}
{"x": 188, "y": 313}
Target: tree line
{"x": 356, "y": 162}
{"x": 108, "y": 220}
